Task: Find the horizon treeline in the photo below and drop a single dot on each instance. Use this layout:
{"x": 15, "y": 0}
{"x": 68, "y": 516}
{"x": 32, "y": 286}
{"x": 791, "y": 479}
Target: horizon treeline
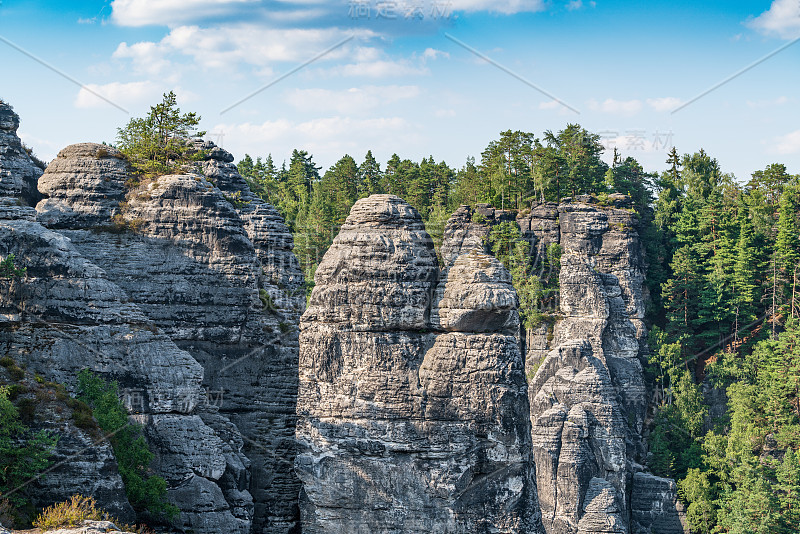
{"x": 513, "y": 171}
{"x": 723, "y": 277}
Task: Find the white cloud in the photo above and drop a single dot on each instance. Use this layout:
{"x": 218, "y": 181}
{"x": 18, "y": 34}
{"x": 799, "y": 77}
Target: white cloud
{"x": 616, "y": 107}
{"x": 170, "y": 12}
{"x": 376, "y": 69}
{"x": 433, "y": 54}
{"x": 781, "y": 19}
{"x": 327, "y": 139}
{"x": 781, "y": 100}
{"x": 241, "y": 43}
{"x": 788, "y": 144}
{"x": 506, "y": 7}
{"x": 146, "y": 57}
{"x": 350, "y": 101}
{"x": 370, "y": 62}
{"x": 122, "y": 94}
{"x": 667, "y": 103}
{"x": 574, "y": 5}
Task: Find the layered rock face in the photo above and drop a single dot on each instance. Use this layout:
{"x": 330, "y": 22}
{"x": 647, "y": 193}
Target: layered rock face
{"x": 18, "y": 172}
{"x": 413, "y": 411}
{"x": 184, "y": 290}
{"x": 210, "y": 266}
{"x": 587, "y": 393}
{"x": 31, "y": 326}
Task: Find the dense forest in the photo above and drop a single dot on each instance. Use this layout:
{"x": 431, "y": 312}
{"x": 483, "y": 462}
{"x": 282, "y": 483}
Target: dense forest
{"x": 723, "y": 263}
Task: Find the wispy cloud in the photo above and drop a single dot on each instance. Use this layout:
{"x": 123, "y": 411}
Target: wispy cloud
{"x": 328, "y": 138}
{"x": 128, "y": 94}
{"x": 574, "y": 5}
{"x": 787, "y": 144}
{"x": 663, "y": 104}
{"x": 351, "y": 101}
{"x": 782, "y": 19}
{"x": 506, "y": 7}
{"x": 780, "y": 101}
{"x": 172, "y": 12}
{"x": 616, "y": 107}
{"x": 233, "y": 45}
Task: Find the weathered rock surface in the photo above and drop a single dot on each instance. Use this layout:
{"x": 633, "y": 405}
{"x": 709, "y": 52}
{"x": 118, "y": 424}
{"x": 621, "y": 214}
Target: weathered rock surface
{"x": 210, "y": 266}
{"x": 66, "y": 315}
{"x": 189, "y": 298}
{"x": 586, "y": 387}
{"x": 18, "y": 172}
{"x": 655, "y": 508}
{"x": 84, "y": 187}
{"x": 80, "y": 461}
{"x": 404, "y": 427}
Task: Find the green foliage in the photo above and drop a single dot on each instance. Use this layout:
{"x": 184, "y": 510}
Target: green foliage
{"x": 698, "y": 490}
{"x": 536, "y": 292}
{"x": 160, "y": 143}
{"x": 146, "y": 492}
{"x": 24, "y": 453}
{"x": 9, "y": 270}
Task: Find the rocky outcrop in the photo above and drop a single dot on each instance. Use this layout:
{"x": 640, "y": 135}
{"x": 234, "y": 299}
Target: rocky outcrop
{"x": 90, "y": 527}
{"x": 29, "y": 327}
{"x": 584, "y": 364}
{"x": 655, "y": 508}
{"x": 210, "y": 267}
{"x": 184, "y": 289}
{"x": 589, "y": 404}
{"x": 18, "y": 172}
{"x": 66, "y": 315}
{"x": 81, "y": 461}
{"x": 413, "y": 412}
{"x": 84, "y": 187}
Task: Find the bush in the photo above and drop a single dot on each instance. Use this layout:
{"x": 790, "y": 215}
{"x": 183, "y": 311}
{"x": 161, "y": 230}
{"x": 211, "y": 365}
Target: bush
{"x": 71, "y": 513}
{"x": 9, "y": 270}
{"x": 146, "y": 492}
{"x": 24, "y": 454}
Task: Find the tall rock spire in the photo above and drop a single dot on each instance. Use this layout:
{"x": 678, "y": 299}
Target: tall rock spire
{"x": 413, "y": 406}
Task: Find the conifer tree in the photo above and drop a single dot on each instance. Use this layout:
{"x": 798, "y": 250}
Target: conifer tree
{"x": 369, "y": 176}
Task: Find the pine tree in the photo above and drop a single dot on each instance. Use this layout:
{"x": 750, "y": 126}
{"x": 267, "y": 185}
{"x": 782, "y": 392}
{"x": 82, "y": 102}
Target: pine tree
{"x": 788, "y": 486}
{"x": 369, "y": 176}
{"x": 744, "y": 275}
{"x": 787, "y": 244}
{"x": 161, "y": 142}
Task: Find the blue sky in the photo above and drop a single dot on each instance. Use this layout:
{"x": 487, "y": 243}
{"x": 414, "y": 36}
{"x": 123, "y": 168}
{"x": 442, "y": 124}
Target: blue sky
{"x": 409, "y": 80}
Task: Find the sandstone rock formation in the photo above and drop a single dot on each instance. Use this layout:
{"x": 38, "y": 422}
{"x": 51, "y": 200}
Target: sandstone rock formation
{"x": 586, "y": 386}
{"x": 211, "y": 266}
{"x": 84, "y": 187}
{"x": 183, "y": 289}
{"x": 413, "y": 413}
{"x": 399, "y": 404}
{"x": 18, "y": 172}
{"x": 80, "y": 460}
